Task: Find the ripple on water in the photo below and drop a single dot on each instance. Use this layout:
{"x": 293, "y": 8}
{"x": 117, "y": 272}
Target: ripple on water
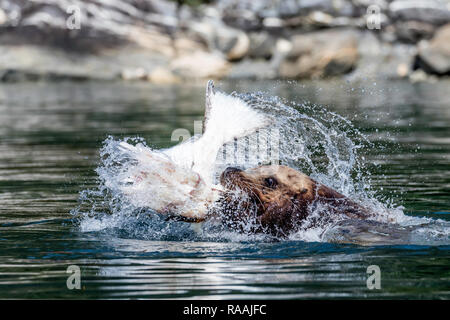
{"x": 50, "y": 134}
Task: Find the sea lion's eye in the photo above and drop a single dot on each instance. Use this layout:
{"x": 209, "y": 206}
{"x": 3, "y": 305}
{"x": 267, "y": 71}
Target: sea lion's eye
{"x": 271, "y": 182}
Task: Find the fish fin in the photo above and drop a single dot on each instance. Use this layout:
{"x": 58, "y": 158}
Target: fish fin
{"x": 208, "y": 103}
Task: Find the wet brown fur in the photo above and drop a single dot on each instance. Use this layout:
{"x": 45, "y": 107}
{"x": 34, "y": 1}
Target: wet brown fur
{"x": 279, "y": 199}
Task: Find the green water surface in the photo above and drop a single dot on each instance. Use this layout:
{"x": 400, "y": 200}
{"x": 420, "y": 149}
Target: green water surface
{"x": 50, "y": 134}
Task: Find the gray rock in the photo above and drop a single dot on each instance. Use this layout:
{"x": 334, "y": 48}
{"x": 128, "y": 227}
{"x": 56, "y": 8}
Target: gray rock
{"x": 291, "y": 8}
{"x": 320, "y": 54}
{"x": 295, "y": 8}
{"x": 259, "y": 68}
{"x": 382, "y": 60}
{"x": 317, "y": 20}
{"x": 273, "y": 23}
{"x": 382, "y": 4}
{"x": 47, "y": 16}
{"x": 3, "y": 17}
{"x": 419, "y": 76}
{"x": 343, "y": 8}
{"x": 161, "y": 41}
{"x": 102, "y": 24}
{"x": 252, "y": 69}
{"x": 248, "y": 14}
{"x": 231, "y": 42}
{"x": 184, "y": 44}
{"x": 12, "y": 12}
{"x": 166, "y": 8}
{"x": 161, "y": 75}
{"x": 204, "y": 31}
{"x": 200, "y": 65}
{"x": 51, "y": 63}
{"x": 434, "y": 55}
{"x": 288, "y": 8}
{"x": 234, "y": 43}
{"x": 435, "y": 12}
{"x": 413, "y": 31}
{"x": 261, "y": 45}
{"x": 389, "y": 34}
{"x": 242, "y": 14}
{"x": 134, "y": 74}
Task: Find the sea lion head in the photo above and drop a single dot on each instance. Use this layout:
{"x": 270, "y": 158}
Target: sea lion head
{"x": 277, "y": 197}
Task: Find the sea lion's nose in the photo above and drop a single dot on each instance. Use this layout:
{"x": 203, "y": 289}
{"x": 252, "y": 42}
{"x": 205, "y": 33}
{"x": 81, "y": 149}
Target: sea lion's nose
{"x": 227, "y": 175}
{"x": 231, "y": 170}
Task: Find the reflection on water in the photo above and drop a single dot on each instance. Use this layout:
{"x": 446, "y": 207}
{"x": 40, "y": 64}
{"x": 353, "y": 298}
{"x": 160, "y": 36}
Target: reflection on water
{"x": 49, "y": 140}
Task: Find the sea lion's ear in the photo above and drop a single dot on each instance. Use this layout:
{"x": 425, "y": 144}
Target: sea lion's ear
{"x": 208, "y": 102}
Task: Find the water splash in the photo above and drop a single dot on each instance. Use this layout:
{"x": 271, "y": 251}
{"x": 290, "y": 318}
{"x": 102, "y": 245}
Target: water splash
{"x": 304, "y": 136}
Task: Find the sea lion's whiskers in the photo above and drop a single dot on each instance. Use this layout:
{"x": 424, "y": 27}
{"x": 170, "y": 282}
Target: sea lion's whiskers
{"x": 257, "y": 184}
{"x": 249, "y": 185}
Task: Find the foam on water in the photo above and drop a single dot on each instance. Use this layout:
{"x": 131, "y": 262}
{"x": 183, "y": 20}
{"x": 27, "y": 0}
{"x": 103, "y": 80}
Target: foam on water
{"x": 307, "y": 137}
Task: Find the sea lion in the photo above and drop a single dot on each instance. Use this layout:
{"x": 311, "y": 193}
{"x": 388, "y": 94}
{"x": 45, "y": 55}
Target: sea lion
{"x": 278, "y": 199}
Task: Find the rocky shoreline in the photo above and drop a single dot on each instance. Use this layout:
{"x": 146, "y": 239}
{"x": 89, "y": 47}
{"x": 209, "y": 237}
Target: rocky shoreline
{"x": 167, "y": 42}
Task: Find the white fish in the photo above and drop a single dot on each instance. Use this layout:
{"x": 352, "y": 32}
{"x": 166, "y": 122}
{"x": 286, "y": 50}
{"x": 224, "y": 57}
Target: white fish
{"x": 179, "y": 180}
